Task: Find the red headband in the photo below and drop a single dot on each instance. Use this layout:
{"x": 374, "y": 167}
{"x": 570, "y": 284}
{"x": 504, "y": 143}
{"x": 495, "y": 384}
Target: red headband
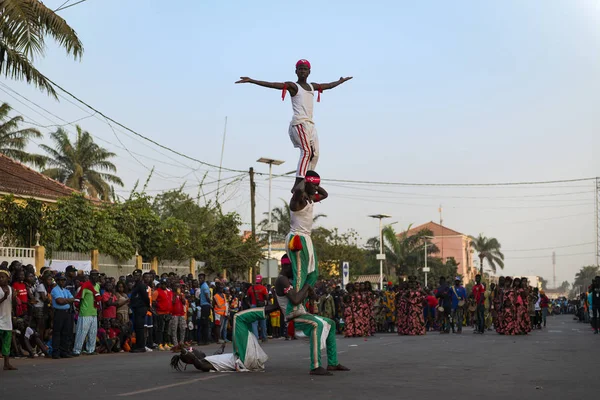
{"x": 315, "y": 180}
{"x": 286, "y": 261}
{"x": 303, "y": 62}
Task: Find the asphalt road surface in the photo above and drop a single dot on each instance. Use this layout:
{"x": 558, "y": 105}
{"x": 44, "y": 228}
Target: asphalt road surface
{"x": 555, "y": 363}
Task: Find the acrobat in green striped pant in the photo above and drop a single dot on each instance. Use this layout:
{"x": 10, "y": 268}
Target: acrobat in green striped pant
{"x": 245, "y": 345}
{"x": 320, "y": 331}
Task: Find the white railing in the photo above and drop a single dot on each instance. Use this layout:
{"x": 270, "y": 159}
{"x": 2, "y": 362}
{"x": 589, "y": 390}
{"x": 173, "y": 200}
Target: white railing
{"x": 21, "y": 254}
{"x": 146, "y": 267}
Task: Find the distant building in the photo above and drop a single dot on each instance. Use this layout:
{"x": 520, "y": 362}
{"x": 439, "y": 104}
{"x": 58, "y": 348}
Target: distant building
{"x": 452, "y": 244}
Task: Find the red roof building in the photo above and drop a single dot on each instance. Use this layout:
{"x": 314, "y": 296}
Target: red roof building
{"x": 23, "y": 182}
{"x": 452, "y": 244}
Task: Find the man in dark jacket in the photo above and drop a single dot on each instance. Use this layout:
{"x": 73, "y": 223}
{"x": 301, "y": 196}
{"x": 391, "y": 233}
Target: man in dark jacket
{"x": 140, "y": 304}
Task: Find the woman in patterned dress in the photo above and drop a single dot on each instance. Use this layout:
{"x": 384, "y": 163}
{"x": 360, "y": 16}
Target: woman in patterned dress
{"x": 401, "y": 308}
{"x": 349, "y": 323}
{"x": 496, "y": 301}
{"x": 524, "y": 318}
{"x": 363, "y": 313}
{"x": 507, "y": 308}
{"x": 371, "y": 304}
{"x": 415, "y": 321}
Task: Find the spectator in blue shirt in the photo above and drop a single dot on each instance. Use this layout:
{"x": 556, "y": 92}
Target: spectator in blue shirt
{"x": 62, "y": 328}
{"x": 203, "y": 296}
{"x": 458, "y": 295}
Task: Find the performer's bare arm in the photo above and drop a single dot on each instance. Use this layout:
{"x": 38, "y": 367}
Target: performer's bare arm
{"x": 290, "y": 86}
{"x": 320, "y": 195}
{"x": 283, "y": 287}
{"x": 330, "y": 85}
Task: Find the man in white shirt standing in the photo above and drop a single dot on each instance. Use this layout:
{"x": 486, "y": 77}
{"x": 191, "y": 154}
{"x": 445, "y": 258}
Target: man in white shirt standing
{"x": 302, "y": 131}
{"x": 7, "y": 297}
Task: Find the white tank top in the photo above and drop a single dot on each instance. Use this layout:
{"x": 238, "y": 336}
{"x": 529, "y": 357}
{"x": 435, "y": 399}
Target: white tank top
{"x": 289, "y": 310}
{"x": 301, "y": 221}
{"x": 302, "y": 105}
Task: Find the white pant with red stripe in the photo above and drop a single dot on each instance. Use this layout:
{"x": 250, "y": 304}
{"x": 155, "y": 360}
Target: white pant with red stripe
{"x": 304, "y": 137}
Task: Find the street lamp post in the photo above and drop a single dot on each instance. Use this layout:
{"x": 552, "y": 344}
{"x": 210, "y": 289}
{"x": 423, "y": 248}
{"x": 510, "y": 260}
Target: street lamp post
{"x": 425, "y": 268}
{"x": 381, "y": 255}
{"x": 269, "y": 227}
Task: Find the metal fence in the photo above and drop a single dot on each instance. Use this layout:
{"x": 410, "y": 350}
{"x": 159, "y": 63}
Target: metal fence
{"x": 69, "y": 256}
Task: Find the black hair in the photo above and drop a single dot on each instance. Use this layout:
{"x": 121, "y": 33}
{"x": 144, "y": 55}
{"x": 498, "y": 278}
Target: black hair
{"x": 312, "y": 173}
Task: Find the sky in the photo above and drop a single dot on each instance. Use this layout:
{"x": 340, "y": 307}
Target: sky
{"x": 443, "y": 92}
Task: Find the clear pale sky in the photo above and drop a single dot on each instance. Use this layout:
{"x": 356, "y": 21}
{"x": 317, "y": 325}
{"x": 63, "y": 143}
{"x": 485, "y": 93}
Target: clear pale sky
{"x": 443, "y": 92}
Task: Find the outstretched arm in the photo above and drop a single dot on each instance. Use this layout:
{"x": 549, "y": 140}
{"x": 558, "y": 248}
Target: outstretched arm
{"x": 331, "y": 85}
{"x": 290, "y": 86}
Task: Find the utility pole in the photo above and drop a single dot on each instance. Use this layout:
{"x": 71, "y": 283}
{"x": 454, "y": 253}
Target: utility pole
{"x": 597, "y": 222}
{"x": 252, "y": 214}
{"x": 442, "y": 225}
{"x": 554, "y": 269}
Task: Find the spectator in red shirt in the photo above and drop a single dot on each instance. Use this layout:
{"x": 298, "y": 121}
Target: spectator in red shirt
{"x": 258, "y": 296}
{"x": 432, "y": 303}
{"x": 20, "y": 289}
{"x": 163, "y": 300}
{"x": 109, "y": 302}
{"x": 479, "y": 294}
{"x": 177, "y": 322}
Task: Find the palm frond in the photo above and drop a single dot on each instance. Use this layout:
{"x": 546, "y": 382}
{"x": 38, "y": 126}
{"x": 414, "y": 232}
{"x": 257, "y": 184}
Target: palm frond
{"x": 15, "y": 65}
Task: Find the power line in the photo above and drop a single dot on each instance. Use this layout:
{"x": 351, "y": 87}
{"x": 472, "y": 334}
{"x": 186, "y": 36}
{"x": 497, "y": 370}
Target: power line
{"x": 548, "y": 256}
{"x": 552, "y": 248}
{"x": 332, "y": 180}
{"x": 362, "y": 182}
{"x": 63, "y": 7}
{"x": 58, "y": 8}
{"x": 36, "y": 123}
{"x": 139, "y": 134}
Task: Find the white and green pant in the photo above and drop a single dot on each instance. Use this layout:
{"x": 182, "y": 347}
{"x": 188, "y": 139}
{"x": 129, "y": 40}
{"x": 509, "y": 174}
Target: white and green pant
{"x": 305, "y": 265}
{"x": 245, "y": 345}
{"x": 320, "y": 331}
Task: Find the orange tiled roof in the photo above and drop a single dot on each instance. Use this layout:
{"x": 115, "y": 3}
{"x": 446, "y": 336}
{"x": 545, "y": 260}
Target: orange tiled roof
{"x": 22, "y": 181}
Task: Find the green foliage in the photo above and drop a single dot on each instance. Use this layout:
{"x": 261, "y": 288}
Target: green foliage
{"x": 544, "y": 283}
{"x": 169, "y": 227}
{"x": 489, "y": 250}
{"x": 333, "y": 248}
{"x": 73, "y": 224}
{"x": 82, "y": 165}
{"x": 14, "y": 140}
{"x": 25, "y": 25}
{"x": 585, "y": 276}
{"x": 110, "y": 238}
{"x": 405, "y": 254}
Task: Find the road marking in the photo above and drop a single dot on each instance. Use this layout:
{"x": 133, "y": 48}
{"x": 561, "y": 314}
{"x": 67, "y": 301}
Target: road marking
{"x": 206, "y": 378}
{"x": 555, "y": 331}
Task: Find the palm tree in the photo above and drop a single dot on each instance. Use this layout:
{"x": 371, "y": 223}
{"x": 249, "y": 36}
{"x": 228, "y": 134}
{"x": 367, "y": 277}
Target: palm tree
{"x": 281, "y": 216}
{"x": 406, "y": 250}
{"x": 488, "y": 249}
{"x": 585, "y": 276}
{"x": 14, "y": 140}
{"x": 24, "y": 25}
{"x": 80, "y": 165}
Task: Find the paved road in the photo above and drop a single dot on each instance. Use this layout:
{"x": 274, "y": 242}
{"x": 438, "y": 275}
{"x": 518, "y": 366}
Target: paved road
{"x": 546, "y": 365}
